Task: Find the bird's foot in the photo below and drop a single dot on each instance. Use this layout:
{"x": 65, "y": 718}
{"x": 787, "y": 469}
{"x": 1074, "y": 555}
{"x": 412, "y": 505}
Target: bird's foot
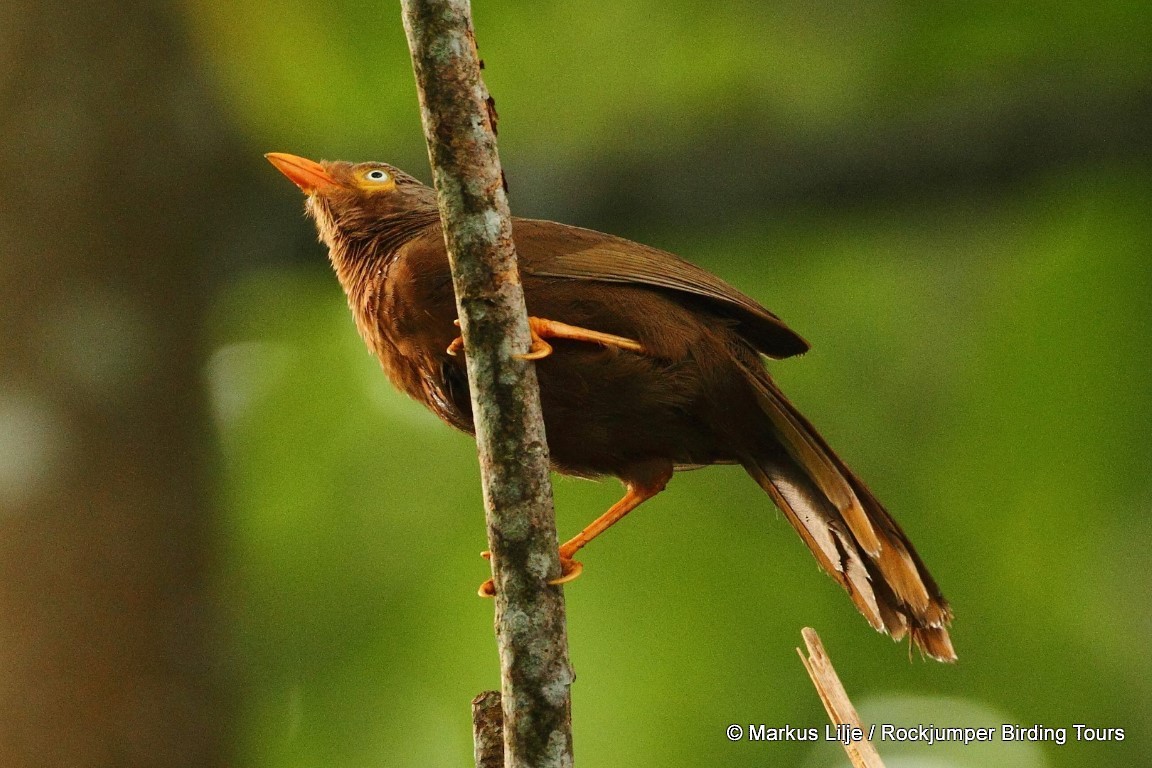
{"x": 569, "y": 570}
{"x": 542, "y": 329}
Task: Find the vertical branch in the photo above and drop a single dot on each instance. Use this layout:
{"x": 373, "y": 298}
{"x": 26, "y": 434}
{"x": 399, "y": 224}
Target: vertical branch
{"x": 530, "y": 625}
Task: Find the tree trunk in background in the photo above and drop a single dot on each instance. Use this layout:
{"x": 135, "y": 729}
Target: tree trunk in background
{"x": 108, "y": 649}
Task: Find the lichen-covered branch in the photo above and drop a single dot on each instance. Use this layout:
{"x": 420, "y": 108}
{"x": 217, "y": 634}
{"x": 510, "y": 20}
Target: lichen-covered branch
{"x": 530, "y": 624}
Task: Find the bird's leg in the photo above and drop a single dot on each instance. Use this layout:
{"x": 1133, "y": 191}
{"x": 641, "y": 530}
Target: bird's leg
{"x": 542, "y": 329}
{"x": 633, "y": 497}
{"x": 640, "y": 487}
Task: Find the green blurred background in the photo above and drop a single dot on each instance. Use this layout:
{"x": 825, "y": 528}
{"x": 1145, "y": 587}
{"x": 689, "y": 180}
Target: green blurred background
{"x": 225, "y": 540}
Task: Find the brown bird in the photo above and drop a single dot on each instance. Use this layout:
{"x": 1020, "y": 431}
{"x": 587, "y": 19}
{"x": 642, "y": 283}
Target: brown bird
{"x": 653, "y": 365}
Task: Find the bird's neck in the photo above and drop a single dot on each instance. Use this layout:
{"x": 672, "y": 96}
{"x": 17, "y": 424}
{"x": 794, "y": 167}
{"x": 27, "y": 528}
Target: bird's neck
{"x": 362, "y": 264}
{"x": 361, "y": 261}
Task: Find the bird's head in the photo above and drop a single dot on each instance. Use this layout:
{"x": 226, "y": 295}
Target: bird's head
{"x": 355, "y": 201}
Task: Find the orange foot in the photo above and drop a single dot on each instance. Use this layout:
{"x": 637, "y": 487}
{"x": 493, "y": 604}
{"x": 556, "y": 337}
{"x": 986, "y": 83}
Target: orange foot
{"x": 550, "y": 329}
{"x": 569, "y": 570}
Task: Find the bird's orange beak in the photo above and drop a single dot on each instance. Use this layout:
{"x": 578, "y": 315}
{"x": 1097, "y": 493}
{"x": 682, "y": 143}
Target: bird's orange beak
{"x": 307, "y": 174}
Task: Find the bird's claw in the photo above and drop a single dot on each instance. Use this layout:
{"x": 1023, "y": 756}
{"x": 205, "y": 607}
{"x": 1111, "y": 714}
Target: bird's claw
{"x": 540, "y": 349}
{"x": 569, "y": 570}
{"x": 487, "y": 589}
{"x": 457, "y": 343}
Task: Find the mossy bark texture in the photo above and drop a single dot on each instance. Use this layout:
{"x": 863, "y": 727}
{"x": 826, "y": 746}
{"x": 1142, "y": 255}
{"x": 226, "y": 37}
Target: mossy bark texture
{"x": 459, "y": 125}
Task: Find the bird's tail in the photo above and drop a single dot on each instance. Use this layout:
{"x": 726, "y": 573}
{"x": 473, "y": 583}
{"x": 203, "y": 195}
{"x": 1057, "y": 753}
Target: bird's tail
{"x": 851, "y": 534}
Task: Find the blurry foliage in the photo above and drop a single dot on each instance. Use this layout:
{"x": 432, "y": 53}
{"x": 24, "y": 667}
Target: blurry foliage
{"x": 982, "y": 359}
{"x": 570, "y": 77}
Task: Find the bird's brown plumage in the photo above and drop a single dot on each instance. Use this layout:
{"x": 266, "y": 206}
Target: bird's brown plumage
{"x": 697, "y": 394}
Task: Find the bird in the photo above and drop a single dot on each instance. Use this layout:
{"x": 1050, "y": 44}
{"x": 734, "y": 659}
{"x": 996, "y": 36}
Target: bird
{"x": 647, "y": 364}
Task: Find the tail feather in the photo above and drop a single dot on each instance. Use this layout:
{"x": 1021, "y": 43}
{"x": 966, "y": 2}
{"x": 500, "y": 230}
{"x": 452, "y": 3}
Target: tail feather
{"x": 899, "y": 563}
{"x": 820, "y": 530}
{"x": 858, "y": 544}
{"x": 805, "y": 447}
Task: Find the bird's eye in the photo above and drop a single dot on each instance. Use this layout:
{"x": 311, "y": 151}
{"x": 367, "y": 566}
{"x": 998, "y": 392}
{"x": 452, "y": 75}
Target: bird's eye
{"x": 376, "y": 175}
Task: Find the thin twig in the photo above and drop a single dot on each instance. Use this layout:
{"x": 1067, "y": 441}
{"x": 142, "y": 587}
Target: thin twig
{"x": 836, "y": 701}
{"x": 530, "y": 624}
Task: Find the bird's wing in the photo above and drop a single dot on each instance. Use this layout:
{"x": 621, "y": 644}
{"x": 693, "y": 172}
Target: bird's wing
{"x": 548, "y": 249}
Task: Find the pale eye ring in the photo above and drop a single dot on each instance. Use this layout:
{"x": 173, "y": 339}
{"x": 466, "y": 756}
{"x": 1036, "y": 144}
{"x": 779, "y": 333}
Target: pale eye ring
{"x": 376, "y": 175}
